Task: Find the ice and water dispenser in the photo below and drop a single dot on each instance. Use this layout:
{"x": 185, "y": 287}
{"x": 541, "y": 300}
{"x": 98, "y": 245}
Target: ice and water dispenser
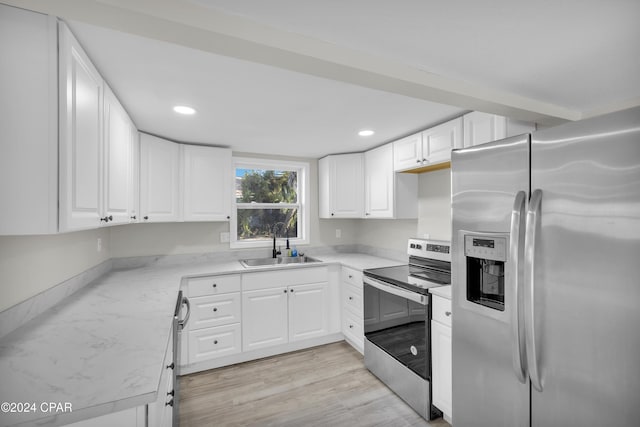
{"x": 485, "y": 262}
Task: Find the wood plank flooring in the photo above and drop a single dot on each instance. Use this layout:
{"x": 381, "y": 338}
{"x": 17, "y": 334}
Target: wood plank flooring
{"x": 322, "y": 386}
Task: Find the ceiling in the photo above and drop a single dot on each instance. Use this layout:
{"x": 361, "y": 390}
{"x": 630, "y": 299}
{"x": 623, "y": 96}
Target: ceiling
{"x": 301, "y": 77}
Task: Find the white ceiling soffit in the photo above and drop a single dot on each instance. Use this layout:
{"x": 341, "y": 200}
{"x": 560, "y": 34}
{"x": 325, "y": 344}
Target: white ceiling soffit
{"x": 203, "y": 27}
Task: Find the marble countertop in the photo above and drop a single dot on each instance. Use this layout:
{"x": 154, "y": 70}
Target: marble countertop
{"x": 102, "y": 349}
{"x": 442, "y": 291}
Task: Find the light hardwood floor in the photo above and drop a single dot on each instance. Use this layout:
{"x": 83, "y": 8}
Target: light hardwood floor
{"x": 322, "y": 386}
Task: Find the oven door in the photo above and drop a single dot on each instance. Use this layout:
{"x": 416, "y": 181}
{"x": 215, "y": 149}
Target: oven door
{"x": 396, "y": 320}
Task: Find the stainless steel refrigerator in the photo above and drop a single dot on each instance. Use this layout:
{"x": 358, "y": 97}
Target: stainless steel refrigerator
{"x": 546, "y": 277}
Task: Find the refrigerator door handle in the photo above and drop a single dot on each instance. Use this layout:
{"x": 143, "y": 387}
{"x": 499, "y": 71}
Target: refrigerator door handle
{"x": 517, "y": 326}
{"x": 533, "y": 220}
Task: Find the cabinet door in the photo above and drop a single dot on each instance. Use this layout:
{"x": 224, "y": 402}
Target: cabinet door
{"x": 28, "y": 124}
{"x": 438, "y": 141}
{"x": 80, "y": 142}
{"x": 159, "y": 179}
{"x": 134, "y": 203}
{"x": 347, "y": 186}
{"x": 264, "y": 318}
{"x": 407, "y": 152}
{"x": 117, "y": 161}
{"x": 379, "y": 182}
{"x": 207, "y": 183}
{"x": 441, "y": 366}
{"x": 308, "y": 311}
{"x": 482, "y": 127}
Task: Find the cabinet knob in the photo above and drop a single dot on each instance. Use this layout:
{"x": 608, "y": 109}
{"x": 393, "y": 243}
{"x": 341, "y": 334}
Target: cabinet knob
{"x": 105, "y": 219}
{"x": 215, "y": 285}
{"x": 146, "y": 217}
{"x": 169, "y": 403}
{"x": 351, "y": 326}
{"x": 215, "y": 309}
{"x": 228, "y": 217}
{"x": 215, "y": 341}
{"x": 133, "y": 217}
{"x": 350, "y": 298}
{"x": 424, "y": 160}
{"x": 332, "y": 213}
{"x": 350, "y": 276}
{"x": 418, "y": 160}
{"x": 291, "y": 290}
{"x": 367, "y": 214}
{"x": 171, "y": 366}
{"x": 171, "y": 393}
{"x": 447, "y": 313}
{"x": 110, "y": 217}
{"x": 285, "y": 291}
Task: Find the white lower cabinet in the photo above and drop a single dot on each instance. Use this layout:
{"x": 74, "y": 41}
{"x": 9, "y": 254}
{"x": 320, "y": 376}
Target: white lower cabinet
{"x": 441, "y": 355}
{"x": 352, "y": 307}
{"x": 308, "y": 311}
{"x": 264, "y": 318}
{"x": 134, "y": 417}
{"x": 240, "y": 317}
{"x": 219, "y": 341}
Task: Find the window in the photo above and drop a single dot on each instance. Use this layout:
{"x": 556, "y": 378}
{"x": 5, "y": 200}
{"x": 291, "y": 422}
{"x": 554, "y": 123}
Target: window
{"x": 269, "y": 196}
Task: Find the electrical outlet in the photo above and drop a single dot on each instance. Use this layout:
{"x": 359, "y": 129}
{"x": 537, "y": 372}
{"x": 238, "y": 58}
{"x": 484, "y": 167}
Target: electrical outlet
{"x": 99, "y": 246}
{"x": 338, "y": 233}
{"x": 224, "y": 237}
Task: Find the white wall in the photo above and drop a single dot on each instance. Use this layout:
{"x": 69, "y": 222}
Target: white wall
{"x": 32, "y": 264}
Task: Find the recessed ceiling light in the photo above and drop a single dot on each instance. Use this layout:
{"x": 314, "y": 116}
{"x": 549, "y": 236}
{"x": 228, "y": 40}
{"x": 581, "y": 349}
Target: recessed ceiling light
{"x": 183, "y": 109}
{"x": 366, "y": 132}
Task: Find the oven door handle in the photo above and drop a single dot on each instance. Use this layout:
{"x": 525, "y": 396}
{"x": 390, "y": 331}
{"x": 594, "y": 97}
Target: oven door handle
{"x": 413, "y": 296}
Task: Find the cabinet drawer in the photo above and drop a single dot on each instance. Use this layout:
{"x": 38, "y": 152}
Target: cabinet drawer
{"x": 352, "y": 298}
{"x": 209, "y": 343}
{"x": 441, "y": 310}
{"x": 352, "y": 325}
{"x": 215, "y": 310}
{"x": 351, "y": 276}
{"x": 213, "y": 285}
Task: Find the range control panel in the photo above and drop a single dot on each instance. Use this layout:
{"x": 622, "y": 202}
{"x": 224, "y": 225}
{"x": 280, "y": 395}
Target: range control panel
{"x": 434, "y": 249}
{"x": 485, "y": 247}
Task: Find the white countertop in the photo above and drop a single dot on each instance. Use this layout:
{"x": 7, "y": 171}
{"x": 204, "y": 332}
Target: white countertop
{"x": 442, "y": 291}
{"x": 102, "y": 349}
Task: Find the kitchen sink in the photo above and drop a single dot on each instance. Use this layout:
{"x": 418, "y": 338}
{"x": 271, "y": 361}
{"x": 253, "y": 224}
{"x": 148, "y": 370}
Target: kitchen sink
{"x": 264, "y": 262}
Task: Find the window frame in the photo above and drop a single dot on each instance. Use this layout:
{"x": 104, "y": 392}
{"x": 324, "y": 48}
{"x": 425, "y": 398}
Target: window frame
{"x": 303, "y": 193}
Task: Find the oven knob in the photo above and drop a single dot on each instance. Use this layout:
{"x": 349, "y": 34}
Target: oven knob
{"x": 418, "y": 246}
{"x": 412, "y": 246}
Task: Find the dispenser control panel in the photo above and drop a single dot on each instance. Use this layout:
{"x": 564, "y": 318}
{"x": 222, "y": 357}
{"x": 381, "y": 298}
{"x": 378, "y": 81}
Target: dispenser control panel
{"x": 483, "y": 247}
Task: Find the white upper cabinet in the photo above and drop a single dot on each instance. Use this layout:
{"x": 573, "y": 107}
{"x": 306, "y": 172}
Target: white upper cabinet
{"x": 118, "y": 172}
{"x": 387, "y": 194}
{"x": 80, "y": 112}
{"x": 428, "y": 148}
{"x": 29, "y": 124}
{"x": 480, "y": 128}
{"x": 159, "y": 179}
{"x": 207, "y": 183}
{"x": 134, "y": 202}
{"x": 407, "y": 152}
{"x": 341, "y": 186}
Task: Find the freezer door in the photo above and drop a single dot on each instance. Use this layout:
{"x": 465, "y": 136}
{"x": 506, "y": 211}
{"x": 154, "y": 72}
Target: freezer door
{"x": 486, "y": 181}
{"x": 586, "y": 277}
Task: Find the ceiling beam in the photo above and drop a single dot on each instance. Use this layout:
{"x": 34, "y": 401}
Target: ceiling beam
{"x": 191, "y": 25}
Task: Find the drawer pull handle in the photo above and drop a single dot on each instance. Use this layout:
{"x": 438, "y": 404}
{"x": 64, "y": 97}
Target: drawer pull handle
{"x": 215, "y": 341}
{"x": 169, "y": 403}
{"x": 171, "y": 366}
{"x": 447, "y": 313}
{"x": 171, "y": 393}
{"x": 215, "y": 309}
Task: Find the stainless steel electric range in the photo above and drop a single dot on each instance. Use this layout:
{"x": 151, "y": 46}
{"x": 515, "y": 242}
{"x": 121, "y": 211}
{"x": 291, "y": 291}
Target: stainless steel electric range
{"x": 397, "y": 314}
